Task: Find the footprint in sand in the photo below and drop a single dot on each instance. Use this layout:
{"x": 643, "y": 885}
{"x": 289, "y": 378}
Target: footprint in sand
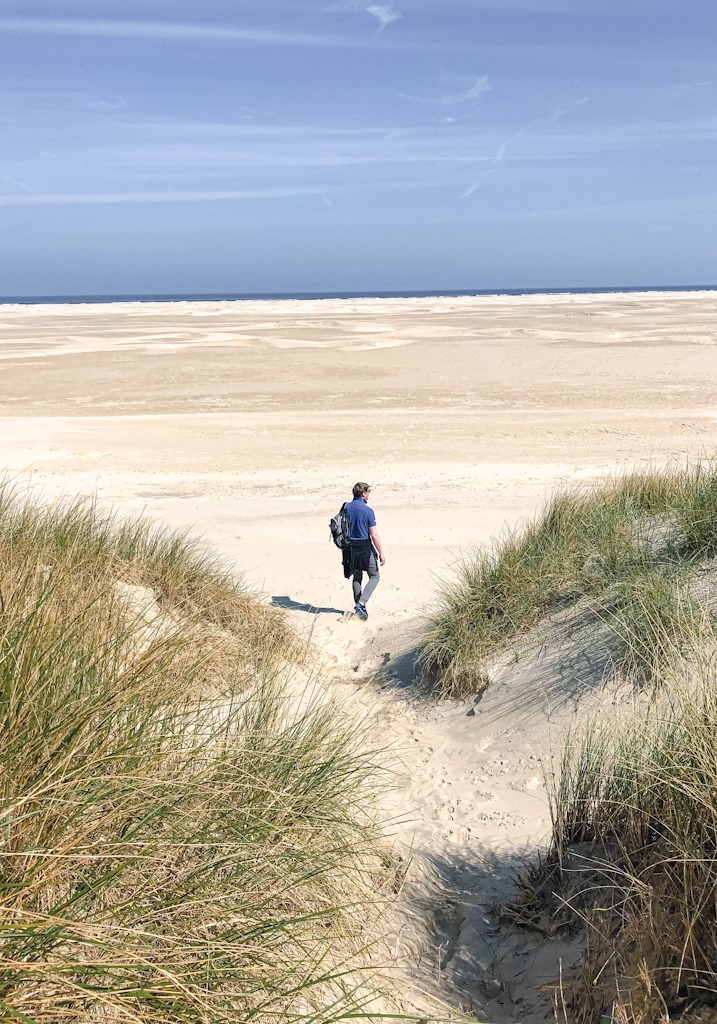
{"x": 463, "y": 834}
{"x": 527, "y": 785}
{"x": 484, "y": 796}
{"x": 442, "y": 812}
{"x": 503, "y": 819}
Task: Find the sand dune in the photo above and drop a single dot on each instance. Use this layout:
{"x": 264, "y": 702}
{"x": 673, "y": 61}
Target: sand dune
{"x": 248, "y": 422}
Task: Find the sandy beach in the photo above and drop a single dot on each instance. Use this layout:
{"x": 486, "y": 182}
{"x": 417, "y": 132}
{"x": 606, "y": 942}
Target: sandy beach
{"x": 248, "y": 423}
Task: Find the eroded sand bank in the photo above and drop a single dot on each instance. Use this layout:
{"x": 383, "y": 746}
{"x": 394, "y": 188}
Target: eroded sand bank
{"x": 250, "y": 421}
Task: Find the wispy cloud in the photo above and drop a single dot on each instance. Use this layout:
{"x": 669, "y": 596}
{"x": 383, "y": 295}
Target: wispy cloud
{"x": 475, "y": 92}
{"x": 384, "y": 14}
{"x": 564, "y": 108}
{"x": 692, "y": 203}
{"x": 466, "y": 99}
{"x": 165, "y": 30}
{"x": 103, "y": 105}
{"x": 101, "y": 198}
{"x": 14, "y": 183}
{"x": 552, "y": 118}
{"x": 154, "y": 148}
{"x": 474, "y": 187}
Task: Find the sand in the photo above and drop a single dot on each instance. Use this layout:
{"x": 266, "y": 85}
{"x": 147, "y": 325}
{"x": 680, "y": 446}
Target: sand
{"x": 249, "y": 422}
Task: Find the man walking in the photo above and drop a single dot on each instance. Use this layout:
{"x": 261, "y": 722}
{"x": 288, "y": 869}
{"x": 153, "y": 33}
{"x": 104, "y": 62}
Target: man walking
{"x": 366, "y": 552}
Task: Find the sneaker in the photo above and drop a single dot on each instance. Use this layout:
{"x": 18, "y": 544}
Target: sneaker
{"x": 360, "y": 610}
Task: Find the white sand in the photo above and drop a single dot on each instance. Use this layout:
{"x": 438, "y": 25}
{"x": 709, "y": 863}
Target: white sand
{"x": 249, "y": 422}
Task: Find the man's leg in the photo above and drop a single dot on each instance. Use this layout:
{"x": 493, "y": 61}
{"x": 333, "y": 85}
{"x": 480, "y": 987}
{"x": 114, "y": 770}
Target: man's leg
{"x": 356, "y": 584}
{"x": 373, "y": 580}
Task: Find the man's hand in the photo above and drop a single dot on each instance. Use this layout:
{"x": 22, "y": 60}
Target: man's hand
{"x": 376, "y": 541}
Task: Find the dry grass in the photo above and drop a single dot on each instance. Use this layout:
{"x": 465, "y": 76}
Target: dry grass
{"x": 633, "y": 859}
{"x": 168, "y": 853}
{"x": 158, "y": 587}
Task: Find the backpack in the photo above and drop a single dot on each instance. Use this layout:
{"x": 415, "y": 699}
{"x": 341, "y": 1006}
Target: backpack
{"x": 339, "y": 527}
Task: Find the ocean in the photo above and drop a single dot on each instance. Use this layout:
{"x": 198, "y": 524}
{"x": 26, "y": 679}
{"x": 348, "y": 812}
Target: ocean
{"x": 272, "y": 296}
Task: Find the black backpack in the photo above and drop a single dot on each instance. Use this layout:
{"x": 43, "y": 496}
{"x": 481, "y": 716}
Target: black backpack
{"x": 339, "y": 527}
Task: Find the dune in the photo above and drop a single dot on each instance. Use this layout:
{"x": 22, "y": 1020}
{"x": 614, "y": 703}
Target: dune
{"x": 249, "y": 422}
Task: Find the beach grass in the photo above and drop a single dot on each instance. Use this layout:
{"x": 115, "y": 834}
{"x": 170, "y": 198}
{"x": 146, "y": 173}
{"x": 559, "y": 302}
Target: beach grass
{"x": 631, "y": 545}
{"x": 182, "y": 840}
{"x": 632, "y": 863}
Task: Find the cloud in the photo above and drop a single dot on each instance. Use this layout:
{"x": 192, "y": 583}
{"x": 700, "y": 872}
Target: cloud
{"x": 105, "y": 106}
{"x": 689, "y": 203}
{"x": 468, "y": 96}
{"x": 552, "y": 118}
{"x": 101, "y": 198}
{"x": 384, "y": 14}
{"x": 474, "y": 93}
{"x": 564, "y": 108}
{"x": 179, "y": 31}
{"x": 15, "y": 183}
{"x": 472, "y": 188}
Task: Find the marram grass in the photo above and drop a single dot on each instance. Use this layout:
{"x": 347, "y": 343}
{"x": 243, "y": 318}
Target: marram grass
{"x": 631, "y": 545}
{"x": 176, "y": 844}
{"x": 633, "y": 860}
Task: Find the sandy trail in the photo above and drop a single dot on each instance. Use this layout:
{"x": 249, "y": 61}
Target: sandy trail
{"x": 249, "y": 422}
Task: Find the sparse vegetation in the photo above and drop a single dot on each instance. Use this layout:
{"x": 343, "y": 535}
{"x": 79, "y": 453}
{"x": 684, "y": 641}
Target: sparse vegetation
{"x": 631, "y": 545}
{"x": 177, "y": 844}
{"x": 633, "y": 861}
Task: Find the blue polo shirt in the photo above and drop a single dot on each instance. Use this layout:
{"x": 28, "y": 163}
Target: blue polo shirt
{"x": 361, "y": 516}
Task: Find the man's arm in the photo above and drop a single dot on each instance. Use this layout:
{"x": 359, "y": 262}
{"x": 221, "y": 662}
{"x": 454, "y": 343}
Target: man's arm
{"x": 376, "y": 540}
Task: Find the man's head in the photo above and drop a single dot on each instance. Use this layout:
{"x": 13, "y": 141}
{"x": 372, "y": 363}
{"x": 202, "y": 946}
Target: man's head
{"x": 361, "y": 490}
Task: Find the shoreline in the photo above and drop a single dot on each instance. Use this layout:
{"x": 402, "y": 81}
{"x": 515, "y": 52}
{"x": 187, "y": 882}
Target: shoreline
{"x": 369, "y": 296}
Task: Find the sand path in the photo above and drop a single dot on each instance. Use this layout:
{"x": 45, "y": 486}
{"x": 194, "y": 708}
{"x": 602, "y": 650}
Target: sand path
{"x": 248, "y": 423}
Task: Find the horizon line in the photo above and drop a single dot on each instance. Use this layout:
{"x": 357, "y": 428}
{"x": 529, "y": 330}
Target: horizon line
{"x": 128, "y": 297}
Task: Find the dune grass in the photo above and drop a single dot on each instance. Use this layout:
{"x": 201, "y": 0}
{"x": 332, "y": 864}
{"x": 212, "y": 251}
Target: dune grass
{"x": 631, "y": 545}
{"x": 633, "y": 860}
{"x": 177, "y": 844}
{"x": 150, "y": 578}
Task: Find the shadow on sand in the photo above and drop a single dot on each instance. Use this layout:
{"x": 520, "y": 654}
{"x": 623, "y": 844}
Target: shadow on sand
{"x": 300, "y": 606}
{"x": 454, "y": 940}
{"x": 555, "y": 668}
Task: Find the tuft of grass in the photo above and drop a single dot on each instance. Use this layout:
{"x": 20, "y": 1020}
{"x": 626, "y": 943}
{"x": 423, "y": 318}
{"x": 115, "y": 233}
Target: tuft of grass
{"x": 655, "y": 621}
{"x": 170, "y": 850}
{"x": 696, "y": 511}
{"x": 631, "y": 545}
{"x": 150, "y": 575}
{"x": 633, "y": 862}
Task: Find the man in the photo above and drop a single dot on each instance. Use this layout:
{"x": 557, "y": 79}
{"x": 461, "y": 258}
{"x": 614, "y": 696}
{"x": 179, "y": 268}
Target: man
{"x": 366, "y": 552}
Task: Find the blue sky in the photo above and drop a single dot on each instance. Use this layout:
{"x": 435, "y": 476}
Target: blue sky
{"x": 330, "y": 145}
